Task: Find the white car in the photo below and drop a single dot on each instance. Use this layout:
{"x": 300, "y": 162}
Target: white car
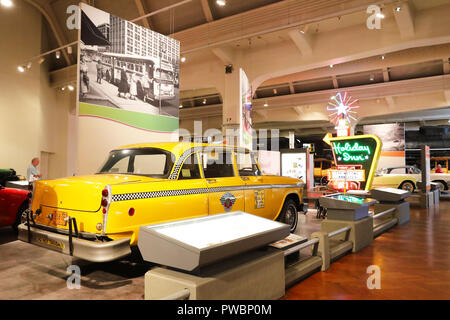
{"x": 407, "y": 177}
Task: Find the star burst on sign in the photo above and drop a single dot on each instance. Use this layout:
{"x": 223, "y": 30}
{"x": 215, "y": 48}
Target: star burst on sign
{"x": 342, "y": 108}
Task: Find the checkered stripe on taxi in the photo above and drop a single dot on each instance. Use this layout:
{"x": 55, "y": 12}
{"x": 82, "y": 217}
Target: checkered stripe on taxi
{"x": 169, "y": 193}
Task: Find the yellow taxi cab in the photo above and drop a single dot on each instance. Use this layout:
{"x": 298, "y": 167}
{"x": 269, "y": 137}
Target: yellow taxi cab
{"x": 97, "y": 217}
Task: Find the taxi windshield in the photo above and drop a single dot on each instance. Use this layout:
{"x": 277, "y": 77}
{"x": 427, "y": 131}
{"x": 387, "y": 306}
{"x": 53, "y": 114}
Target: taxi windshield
{"x": 150, "y": 162}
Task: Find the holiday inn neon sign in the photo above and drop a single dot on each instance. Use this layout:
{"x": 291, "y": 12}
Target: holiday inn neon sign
{"x": 351, "y": 151}
{"x": 357, "y": 152}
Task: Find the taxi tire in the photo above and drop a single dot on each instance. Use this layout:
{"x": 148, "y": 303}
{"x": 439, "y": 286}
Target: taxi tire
{"x": 289, "y": 207}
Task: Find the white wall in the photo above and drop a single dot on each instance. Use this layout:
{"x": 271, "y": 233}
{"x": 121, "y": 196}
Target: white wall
{"x": 33, "y": 117}
{"x": 97, "y": 137}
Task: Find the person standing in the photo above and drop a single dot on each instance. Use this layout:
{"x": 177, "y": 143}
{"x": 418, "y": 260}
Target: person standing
{"x": 33, "y": 173}
{"x": 123, "y": 85}
{"x": 133, "y": 86}
{"x": 99, "y": 71}
{"x": 84, "y": 78}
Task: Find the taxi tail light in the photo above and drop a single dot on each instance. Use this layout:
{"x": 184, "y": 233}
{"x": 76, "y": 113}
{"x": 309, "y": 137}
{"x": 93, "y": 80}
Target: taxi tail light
{"x": 131, "y": 212}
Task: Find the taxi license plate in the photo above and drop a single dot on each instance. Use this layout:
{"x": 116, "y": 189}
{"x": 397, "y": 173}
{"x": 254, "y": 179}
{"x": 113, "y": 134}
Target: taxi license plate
{"x": 60, "y": 218}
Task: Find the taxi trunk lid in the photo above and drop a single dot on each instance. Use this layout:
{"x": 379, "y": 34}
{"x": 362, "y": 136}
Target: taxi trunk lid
{"x": 82, "y": 193}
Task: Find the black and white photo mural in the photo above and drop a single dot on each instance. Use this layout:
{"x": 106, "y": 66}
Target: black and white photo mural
{"x": 126, "y": 66}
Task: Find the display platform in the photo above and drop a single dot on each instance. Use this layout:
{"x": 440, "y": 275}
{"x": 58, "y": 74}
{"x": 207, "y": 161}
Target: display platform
{"x": 389, "y": 194}
{"x": 341, "y": 206}
{"x": 177, "y": 244}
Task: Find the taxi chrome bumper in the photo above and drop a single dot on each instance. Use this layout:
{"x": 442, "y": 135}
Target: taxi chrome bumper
{"x": 84, "y": 249}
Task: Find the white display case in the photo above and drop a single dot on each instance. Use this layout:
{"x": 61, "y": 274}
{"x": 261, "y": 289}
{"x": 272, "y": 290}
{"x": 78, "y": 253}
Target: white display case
{"x": 194, "y": 243}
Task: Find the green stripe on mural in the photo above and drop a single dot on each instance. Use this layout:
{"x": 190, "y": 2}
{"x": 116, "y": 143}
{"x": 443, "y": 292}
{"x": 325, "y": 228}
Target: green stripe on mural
{"x": 136, "y": 119}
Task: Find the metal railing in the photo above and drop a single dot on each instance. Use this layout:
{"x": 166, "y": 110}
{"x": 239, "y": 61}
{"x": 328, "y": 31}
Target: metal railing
{"x": 301, "y": 246}
{"x": 338, "y": 231}
{"x": 382, "y": 213}
{"x": 179, "y": 295}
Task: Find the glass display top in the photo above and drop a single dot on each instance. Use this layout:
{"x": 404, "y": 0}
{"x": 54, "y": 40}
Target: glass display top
{"x": 212, "y": 230}
{"x": 347, "y": 198}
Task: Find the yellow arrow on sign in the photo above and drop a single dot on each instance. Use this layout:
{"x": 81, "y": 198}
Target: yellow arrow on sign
{"x": 327, "y": 138}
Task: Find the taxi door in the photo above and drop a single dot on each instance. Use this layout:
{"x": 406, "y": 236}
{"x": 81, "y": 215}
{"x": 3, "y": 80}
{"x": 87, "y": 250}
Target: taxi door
{"x": 225, "y": 187}
{"x": 258, "y": 190}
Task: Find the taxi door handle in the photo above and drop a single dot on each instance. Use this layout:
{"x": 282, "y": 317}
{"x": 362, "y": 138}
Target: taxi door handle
{"x": 211, "y": 180}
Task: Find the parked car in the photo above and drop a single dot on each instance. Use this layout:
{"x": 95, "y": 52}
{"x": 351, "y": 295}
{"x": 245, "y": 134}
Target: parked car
{"x": 443, "y": 161}
{"x": 321, "y": 167}
{"x": 13, "y": 202}
{"x": 406, "y": 177}
{"x": 8, "y": 175}
{"x": 153, "y": 183}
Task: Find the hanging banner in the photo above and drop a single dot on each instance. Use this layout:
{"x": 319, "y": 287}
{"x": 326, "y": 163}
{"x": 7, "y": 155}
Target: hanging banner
{"x": 128, "y": 85}
{"x": 246, "y": 139}
{"x": 393, "y": 137}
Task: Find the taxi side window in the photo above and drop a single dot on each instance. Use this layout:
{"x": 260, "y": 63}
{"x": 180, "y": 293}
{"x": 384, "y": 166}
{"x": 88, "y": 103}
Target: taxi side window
{"x": 246, "y": 164}
{"x": 217, "y": 164}
{"x": 190, "y": 169}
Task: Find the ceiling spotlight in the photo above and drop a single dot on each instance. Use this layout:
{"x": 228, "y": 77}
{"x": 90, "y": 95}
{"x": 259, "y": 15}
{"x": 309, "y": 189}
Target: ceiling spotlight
{"x": 303, "y": 29}
{"x": 398, "y": 8}
{"x": 180, "y": 106}
{"x": 58, "y": 54}
{"x": 204, "y": 101}
{"x": 29, "y": 65}
{"x": 221, "y": 2}
{"x": 69, "y": 50}
{"x": 382, "y": 57}
{"x": 41, "y": 60}
{"x": 331, "y": 66}
{"x": 183, "y": 59}
{"x": 70, "y": 87}
{"x": 63, "y": 88}
{"x": 266, "y": 104}
{"x": 6, "y": 3}
{"x": 372, "y": 77}
{"x": 21, "y": 68}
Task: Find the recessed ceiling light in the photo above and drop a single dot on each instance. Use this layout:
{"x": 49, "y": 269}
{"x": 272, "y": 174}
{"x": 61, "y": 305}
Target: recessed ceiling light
{"x": 331, "y": 66}
{"x": 63, "y": 88}
{"x": 204, "y": 101}
{"x": 6, "y": 3}
{"x": 183, "y": 59}
{"x": 21, "y": 68}
{"x": 58, "y": 54}
{"x": 180, "y": 106}
{"x": 382, "y": 57}
{"x": 266, "y": 105}
{"x": 221, "y": 2}
{"x": 70, "y": 87}
{"x": 372, "y": 77}
{"x": 398, "y": 9}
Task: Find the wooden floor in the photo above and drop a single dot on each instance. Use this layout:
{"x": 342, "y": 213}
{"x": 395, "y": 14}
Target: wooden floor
{"x": 414, "y": 260}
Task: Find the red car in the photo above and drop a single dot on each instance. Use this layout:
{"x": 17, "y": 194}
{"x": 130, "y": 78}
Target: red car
{"x": 12, "y": 203}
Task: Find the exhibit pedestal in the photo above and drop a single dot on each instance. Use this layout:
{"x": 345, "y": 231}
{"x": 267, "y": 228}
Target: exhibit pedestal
{"x": 361, "y": 231}
{"x": 426, "y": 199}
{"x": 401, "y": 211}
{"x": 255, "y": 275}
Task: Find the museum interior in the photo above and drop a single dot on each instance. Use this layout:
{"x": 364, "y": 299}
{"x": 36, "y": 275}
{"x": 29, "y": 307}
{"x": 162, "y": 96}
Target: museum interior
{"x": 225, "y": 150}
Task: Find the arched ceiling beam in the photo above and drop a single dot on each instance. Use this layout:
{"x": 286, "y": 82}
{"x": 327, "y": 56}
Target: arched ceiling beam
{"x": 46, "y": 10}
